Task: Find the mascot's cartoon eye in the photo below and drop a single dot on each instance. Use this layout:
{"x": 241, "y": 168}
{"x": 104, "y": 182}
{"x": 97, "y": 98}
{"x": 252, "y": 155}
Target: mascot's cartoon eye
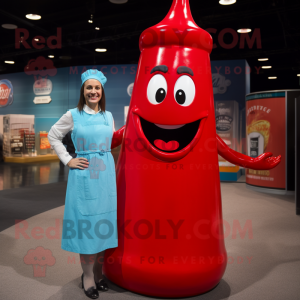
{"x": 157, "y": 89}
{"x": 184, "y": 91}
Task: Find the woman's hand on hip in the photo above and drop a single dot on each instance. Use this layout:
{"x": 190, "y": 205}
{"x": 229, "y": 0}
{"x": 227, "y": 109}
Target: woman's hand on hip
{"x": 78, "y": 163}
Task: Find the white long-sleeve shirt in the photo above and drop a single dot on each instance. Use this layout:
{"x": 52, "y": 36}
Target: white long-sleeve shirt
{"x": 60, "y": 129}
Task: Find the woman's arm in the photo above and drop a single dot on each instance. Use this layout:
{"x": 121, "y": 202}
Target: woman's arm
{"x": 262, "y": 162}
{"x": 56, "y": 134}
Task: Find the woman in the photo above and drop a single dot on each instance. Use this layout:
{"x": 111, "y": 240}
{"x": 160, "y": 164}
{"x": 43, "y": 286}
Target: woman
{"x": 90, "y": 218}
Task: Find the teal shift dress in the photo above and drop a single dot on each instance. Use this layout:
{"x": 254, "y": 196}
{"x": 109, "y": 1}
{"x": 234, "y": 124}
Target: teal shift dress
{"x": 90, "y": 216}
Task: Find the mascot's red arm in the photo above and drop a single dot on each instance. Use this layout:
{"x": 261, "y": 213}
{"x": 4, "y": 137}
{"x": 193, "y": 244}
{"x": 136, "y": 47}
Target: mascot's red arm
{"x": 117, "y": 137}
{"x": 264, "y": 161}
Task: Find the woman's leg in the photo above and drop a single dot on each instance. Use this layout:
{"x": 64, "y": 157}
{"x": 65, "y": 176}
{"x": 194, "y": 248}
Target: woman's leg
{"x": 98, "y": 266}
{"x": 87, "y": 264}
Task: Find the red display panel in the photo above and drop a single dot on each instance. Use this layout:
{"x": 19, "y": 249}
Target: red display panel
{"x": 266, "y": 132}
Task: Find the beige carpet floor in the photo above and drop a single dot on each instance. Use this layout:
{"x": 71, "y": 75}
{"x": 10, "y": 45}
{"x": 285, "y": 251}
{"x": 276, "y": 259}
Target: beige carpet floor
{"x": 266, "y": 266}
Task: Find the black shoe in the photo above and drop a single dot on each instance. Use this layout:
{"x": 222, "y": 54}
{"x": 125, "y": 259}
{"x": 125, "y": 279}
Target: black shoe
{"x": 91, "y": 292}
{"x": 102, "y": 285}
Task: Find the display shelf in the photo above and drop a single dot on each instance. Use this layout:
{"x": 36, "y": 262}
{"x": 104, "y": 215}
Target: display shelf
{"x": 30, "y": 159}
{"x": 230, "y": 176}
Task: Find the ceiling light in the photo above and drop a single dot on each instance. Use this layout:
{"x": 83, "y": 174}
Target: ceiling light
{"x": 266, "y": 67}
{"x": 97, "y": 28}
{"x": 100, "y": 50}
{"x": 244, "y": 30}
{"x": 9, "y": 62}
{"x": 91, "y": 19}
{"x": 9, "y": 26}
{"x": 51, "y": 56}
{"x": 272, "y": 77}
{"x": 33, "y": 17}
{"x": 118, "y": 1}
{"x": 298, "y": 75}
{"x": 36, "y": 39}
{"x": 263, "y": 59}
{"x": 227, "y": 2}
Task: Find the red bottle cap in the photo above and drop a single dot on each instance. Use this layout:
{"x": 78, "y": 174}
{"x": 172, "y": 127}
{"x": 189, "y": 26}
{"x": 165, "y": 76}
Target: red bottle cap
{"x": 178, "y": 28}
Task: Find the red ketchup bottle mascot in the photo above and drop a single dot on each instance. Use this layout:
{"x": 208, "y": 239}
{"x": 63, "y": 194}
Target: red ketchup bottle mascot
{"x": 170, "y": 231}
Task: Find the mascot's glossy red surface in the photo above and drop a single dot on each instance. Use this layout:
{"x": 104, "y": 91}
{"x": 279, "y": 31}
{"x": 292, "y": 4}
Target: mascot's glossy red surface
{"x": 169, "y": 203}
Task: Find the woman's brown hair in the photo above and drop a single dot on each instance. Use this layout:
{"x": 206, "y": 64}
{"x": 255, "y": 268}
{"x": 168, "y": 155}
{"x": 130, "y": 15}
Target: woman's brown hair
{"x": 81, "y": 101}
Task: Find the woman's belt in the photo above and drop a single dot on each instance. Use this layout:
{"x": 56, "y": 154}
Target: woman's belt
{"x": 101, "y": 152}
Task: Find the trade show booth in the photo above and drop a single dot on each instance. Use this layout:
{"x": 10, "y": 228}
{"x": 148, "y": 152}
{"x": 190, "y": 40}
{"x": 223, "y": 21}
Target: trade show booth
{"x": 270, "y": 121}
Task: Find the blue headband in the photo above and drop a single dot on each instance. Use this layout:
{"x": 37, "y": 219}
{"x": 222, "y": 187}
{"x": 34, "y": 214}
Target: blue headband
{"x": 93, "y": 74}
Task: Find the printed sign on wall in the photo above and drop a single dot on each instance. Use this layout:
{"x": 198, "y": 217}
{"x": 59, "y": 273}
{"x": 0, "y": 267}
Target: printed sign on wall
{"x": 220, "y": 83}
{"x": 265, "y": 122}
{"x": 6, "y": 93}
{"x": 227, "y": 121}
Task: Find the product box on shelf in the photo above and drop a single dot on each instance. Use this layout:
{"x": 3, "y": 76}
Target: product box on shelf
{"x": 44, "y": 143}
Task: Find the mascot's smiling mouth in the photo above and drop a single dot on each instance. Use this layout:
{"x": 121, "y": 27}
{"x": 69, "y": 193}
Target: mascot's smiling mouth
{"x": 168, "y": 142}
{"x": 169, "y": 138}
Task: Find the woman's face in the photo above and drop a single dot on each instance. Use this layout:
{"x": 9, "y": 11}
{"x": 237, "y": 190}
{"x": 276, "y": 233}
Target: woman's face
{"x": 92, "y": 91}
